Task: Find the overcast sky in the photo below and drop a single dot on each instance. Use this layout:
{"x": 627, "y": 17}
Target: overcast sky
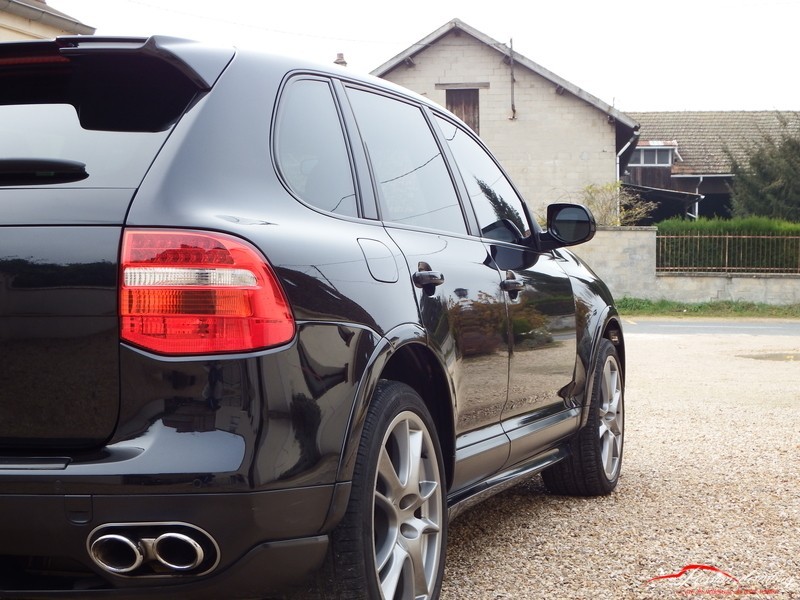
{"x": 639, "y": 55}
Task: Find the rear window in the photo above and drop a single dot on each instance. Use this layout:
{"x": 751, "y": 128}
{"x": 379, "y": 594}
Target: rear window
{"x": 105, "y": 115}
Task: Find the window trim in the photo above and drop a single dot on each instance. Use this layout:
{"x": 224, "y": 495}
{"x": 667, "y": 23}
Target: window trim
{"x": 443, "y": 149}
{"x": 290, "y": 79}
{"x": 475, "y": 230}
{"x": 652, "y": 150}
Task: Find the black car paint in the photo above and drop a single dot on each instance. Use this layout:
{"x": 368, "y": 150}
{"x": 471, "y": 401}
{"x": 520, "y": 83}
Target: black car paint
{"x": 273, "y": 433}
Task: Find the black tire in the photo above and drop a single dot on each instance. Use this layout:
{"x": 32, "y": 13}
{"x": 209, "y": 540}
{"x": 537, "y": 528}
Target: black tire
{"x": 391, "y": 542}
{"x": 595, "y": 461}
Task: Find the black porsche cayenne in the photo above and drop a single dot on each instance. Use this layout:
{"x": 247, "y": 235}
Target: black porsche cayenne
{"x": 265, "y": 323}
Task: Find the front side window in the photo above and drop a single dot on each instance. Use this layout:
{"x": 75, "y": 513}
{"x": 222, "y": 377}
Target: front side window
{"x": 414, "y": 184}
{"x": 494, "y": 199}
{"x": 310, "y": 148}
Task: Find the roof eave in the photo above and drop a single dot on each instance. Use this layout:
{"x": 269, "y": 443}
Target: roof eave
{"x": 45, "y": 16}
{"x": 409, "y": 53}
{"x": 559, "y": 82}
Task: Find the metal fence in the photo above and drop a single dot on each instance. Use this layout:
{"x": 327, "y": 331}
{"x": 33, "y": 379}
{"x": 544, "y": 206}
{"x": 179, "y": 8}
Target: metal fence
{"x": 721, "y": 253}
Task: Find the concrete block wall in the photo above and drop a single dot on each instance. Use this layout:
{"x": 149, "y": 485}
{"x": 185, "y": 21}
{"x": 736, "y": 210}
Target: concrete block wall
{"x": 14, "y": 28}
{"x": 556, "y": 145}
{"x": 625, "y": 257}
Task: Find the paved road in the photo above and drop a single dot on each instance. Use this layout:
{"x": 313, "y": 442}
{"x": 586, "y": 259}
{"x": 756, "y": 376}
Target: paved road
{"x": 722, "y": 326}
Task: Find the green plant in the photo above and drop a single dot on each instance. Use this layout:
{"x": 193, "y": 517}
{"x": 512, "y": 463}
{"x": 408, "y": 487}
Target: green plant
{"x": 755, "y": 225}
{"x": 767, "y": 180}
{"x": 641, "y": 307}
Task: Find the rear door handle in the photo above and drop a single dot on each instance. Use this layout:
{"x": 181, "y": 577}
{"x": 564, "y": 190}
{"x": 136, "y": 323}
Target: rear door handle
{"x": 425, "y": 278}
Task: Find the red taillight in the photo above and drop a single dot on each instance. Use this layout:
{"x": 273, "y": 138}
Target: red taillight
{"x": 192, "y": 292}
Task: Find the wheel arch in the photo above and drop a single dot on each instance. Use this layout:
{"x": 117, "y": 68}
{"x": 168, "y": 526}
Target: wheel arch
{"x": 608, "y": 326}
{"x": 403, "y": 355}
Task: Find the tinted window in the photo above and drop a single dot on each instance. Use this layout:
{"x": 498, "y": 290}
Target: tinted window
{"x": 311, "y": 150}
{"x": 52, "y": 132}
{"x": 414, "y": 185}
{"x": 491, "y": 193}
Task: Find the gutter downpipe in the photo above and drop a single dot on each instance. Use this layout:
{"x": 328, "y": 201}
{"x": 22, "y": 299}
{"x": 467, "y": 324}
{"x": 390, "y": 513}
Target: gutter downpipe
{"x": 696, "y": 214}
{"x": 634, "y": 138}
{"x": 513, "y": 81}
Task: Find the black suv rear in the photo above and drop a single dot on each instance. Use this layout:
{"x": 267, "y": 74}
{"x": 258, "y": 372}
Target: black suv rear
{"x": 262, "y": 320}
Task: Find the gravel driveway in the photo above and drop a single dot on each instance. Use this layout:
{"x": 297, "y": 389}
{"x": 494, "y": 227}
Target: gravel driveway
{"x": 711, "y": 477}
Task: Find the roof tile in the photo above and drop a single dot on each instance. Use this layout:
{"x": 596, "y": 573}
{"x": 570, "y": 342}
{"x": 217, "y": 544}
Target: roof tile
{"x": 703, "y": 136}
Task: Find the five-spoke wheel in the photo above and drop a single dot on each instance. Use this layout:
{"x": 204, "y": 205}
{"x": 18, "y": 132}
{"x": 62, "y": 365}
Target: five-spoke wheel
{"x": 391, "y": 543}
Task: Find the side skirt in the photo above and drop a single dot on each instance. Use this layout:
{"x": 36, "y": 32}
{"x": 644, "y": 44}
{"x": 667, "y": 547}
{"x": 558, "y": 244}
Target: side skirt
{"x": 469, "y": 497}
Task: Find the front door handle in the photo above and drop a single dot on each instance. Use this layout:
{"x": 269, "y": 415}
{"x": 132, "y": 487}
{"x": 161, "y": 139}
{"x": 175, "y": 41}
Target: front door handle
{"x": 512, "y": 285}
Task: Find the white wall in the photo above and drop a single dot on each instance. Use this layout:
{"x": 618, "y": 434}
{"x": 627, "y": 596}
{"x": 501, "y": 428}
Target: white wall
{"x": 14, "y": 28}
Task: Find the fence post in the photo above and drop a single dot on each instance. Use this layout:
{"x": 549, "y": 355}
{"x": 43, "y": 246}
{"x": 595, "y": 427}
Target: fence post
{"x": 727, "y": 247}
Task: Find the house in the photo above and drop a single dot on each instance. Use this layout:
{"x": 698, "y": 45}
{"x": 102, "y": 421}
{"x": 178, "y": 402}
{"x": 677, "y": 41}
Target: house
{"x": 686, "y": 154}
{"x": 552, "y": 137}
{"x": 34, "y": 19}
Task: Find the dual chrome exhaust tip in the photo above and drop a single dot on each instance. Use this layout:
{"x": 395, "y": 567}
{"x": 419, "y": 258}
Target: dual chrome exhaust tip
{"x": 152, "y": 549}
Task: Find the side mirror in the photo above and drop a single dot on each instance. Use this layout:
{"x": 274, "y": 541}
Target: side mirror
{"x": 567, "y": 225}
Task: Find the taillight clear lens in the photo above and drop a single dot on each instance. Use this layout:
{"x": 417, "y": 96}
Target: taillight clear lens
{"x": 192, "y": 292}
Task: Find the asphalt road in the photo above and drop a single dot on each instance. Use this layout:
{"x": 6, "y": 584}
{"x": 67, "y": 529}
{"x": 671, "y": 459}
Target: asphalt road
{"x": 692, "y": 325}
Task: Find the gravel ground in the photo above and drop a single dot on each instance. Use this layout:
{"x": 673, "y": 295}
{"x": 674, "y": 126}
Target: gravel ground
{"x": 710, "y": 477}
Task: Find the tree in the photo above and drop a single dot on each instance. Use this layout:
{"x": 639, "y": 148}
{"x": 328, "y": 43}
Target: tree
{"x": 766, "y": 178}
{"x": 612, "y": 204}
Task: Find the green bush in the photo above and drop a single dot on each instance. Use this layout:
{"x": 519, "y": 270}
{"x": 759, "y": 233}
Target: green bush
{"x": 755, "y": 245}
{"x": 739, "y": 226}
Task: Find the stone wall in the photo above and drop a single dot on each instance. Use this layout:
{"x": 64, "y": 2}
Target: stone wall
{"x": 625, "y": 257}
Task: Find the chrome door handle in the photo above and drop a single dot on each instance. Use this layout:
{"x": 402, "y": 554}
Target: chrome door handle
{"x": 512, "y": 285}
{"x": 426, "y": 278}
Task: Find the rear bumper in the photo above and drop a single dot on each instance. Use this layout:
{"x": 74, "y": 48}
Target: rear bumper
{"x": 266, "y": 568}
{"x": 266, "y": 540}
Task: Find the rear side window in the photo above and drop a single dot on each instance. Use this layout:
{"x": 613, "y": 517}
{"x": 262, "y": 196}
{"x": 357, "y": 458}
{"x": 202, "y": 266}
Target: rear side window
{"x": 414, "y": 184}
{"x": 491, "y": 194}
{"x": 310, "y": 148}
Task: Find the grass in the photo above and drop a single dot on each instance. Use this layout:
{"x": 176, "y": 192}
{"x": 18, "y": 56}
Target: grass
{"x": 640, "y": 307}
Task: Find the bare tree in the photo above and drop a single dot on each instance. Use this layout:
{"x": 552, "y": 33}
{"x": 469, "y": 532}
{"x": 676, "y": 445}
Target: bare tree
{"x": 612, "y": 204}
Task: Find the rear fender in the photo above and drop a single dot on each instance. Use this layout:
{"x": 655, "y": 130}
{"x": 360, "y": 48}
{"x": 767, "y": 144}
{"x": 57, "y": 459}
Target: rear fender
{"x": 405, "y": 337}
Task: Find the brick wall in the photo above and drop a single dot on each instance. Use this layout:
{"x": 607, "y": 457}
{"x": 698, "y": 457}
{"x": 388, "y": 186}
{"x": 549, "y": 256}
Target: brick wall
{"x": 625, "y": 258}
{"x": 557, "y": 145}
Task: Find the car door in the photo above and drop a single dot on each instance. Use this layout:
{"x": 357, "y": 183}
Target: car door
{"x": 456, "y": 281}
{"x": 538, "y": 294}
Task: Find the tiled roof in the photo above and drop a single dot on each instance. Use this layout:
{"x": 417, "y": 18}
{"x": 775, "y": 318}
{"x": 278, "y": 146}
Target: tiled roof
{"x": 703, "y": 136}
